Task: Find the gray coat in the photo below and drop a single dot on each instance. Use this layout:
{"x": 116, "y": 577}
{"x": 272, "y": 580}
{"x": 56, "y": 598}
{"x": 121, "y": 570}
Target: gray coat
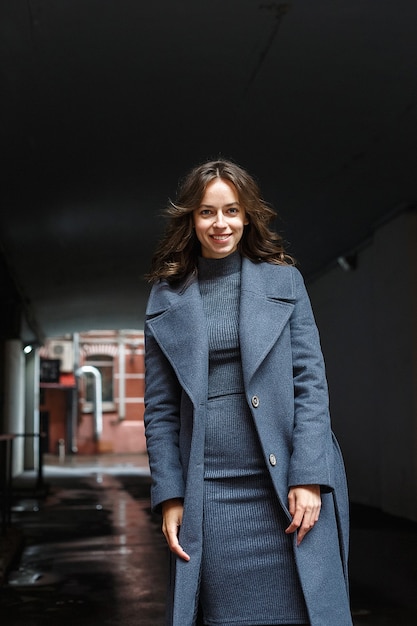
{"x": 286, "y": 389}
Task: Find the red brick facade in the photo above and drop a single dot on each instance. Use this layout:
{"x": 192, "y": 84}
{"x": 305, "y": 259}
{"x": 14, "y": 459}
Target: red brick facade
{"x": 67, "y": 406}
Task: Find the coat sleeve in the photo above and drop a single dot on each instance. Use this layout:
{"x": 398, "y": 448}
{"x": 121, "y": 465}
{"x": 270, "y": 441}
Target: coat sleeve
{"x": 312, "y": 449}
{"x": 162, "y": 424}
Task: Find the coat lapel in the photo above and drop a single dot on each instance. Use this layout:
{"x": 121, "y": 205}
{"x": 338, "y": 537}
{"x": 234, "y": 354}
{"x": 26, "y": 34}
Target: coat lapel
{"x": 178, "y": 324}
{"x": 181, "y": 332}
{"x": 267, "y": 301}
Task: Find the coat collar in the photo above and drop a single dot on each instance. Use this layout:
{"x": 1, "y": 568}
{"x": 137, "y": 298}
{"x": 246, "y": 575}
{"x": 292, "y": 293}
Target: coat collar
{"x": 176, "y": 319}
{"x": 266, "y": 303}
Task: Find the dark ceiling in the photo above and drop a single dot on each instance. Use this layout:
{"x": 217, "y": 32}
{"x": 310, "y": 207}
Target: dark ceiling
{"x": 106, "y": 103}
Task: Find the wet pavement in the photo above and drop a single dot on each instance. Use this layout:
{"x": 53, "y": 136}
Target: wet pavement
{"x": 93, "y": 553}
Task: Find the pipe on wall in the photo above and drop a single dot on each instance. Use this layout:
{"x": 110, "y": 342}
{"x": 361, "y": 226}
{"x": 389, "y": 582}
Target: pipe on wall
{"x": 98, "y": 406}
{"x": 122, "y": 379}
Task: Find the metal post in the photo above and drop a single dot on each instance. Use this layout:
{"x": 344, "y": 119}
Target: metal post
{"x": 39, "y": 482}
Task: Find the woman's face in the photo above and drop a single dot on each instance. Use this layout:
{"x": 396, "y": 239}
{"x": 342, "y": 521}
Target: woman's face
{"x": 219, "y": 220}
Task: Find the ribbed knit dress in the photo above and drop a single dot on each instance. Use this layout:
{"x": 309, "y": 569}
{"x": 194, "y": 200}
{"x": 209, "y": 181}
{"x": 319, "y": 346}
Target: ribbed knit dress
{"x": 248, "y": 572}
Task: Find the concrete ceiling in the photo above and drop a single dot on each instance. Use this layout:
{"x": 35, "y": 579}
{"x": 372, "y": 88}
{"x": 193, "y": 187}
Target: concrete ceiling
{"x": 106, "y": 103}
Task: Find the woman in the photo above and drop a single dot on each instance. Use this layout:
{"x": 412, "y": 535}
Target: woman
{"x": 245, "y": 470}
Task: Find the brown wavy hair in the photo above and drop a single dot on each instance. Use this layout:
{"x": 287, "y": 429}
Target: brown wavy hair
{"x": 177, "y": 253}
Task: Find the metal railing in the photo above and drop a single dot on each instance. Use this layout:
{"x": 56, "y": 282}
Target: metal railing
{"x": 6, "y": 474}
{"x": 6, "y": 463}
{"x": 40, "y": 436}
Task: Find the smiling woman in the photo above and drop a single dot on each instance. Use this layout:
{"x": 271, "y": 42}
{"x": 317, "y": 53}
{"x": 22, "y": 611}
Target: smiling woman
{"x": 245, "y": 470}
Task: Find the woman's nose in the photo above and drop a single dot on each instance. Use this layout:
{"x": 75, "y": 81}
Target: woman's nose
{"x": 219, "y": 220}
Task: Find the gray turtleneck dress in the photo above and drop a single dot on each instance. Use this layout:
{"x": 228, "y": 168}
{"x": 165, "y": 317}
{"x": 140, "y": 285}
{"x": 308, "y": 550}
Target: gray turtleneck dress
{"x": 248, "y": 572}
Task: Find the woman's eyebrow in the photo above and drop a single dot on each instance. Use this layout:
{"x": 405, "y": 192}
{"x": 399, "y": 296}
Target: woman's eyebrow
{"x": 211, "y": 206}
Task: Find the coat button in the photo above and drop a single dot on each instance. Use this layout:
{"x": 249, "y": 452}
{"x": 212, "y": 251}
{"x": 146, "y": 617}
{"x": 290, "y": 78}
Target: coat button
{"x": 273, "y": 460}
{"x": 255, "y": 402}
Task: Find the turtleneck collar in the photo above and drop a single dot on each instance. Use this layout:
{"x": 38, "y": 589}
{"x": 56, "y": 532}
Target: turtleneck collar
{"x": 215, "y": 268}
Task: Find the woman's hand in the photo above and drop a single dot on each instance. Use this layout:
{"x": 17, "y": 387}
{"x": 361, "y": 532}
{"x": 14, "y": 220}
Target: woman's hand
{"x": 304, "y": 503}
{"x": 172, "y": 511}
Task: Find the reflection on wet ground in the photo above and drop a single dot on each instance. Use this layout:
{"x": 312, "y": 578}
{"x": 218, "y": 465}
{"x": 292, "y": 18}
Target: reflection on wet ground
{"x": 94, "y": 554}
